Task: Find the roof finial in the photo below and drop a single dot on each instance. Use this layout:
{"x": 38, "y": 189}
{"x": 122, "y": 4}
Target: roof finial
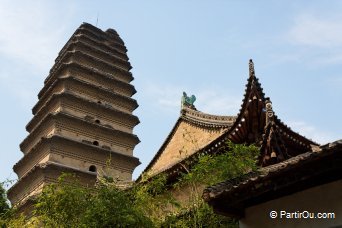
{"x": 251, "y": 68}
{"x": 188, "y": 101}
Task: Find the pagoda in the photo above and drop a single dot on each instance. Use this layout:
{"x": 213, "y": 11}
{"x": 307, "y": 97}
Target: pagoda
{"x": 83, "y": 122}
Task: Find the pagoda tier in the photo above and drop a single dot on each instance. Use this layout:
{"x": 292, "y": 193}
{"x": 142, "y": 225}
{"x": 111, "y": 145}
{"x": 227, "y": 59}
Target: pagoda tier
{"x": 87, "y": 59}
{"x": 63, "y": 124}
{"x": 88, "y": 91}
{"x": 83, "y": 121}
{"x": 84, "y": 108}
{"x": 67, "y": 151}
{"x": 84, "y": 49}
{"x": 42, "y": 174}
{"x": 93, "y": 76}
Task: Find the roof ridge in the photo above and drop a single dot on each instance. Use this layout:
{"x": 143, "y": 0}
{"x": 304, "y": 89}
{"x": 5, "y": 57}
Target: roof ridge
{"x": 206, "y": 118}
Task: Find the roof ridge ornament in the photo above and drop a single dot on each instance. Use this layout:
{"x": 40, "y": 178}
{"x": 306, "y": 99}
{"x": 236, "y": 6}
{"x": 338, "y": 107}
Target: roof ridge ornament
{"x": 269, "y": 111}
{"x": 251, "y": 69}
{"x": 188, "y": 101}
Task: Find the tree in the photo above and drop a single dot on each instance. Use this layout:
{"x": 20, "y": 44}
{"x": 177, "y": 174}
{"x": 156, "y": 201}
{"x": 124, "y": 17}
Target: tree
{"x": 72, "y": 205}
{"x": 149, "y": 204}
{"x": 3, "y": 200}
{"x": 154, "y": 194}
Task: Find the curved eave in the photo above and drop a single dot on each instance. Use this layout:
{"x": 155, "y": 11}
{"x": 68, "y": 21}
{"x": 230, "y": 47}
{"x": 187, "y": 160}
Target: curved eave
{"x": 294, "y": 135}
{"x": 253, "y": 88}
{"x": 202, "y": 119}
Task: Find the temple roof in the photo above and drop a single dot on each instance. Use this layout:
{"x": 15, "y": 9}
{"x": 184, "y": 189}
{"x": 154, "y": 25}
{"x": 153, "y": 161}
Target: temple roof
{"x": 298, "y": 173}
{"x": 256, "y": 123}
{"x": 192, "y": 132}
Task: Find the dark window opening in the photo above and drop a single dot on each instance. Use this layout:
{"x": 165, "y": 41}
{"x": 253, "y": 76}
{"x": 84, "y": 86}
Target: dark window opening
{"x": 99, "y": 102}
{"x": 96, "y": 143}
{"x": 92, "y": 168}
{"x": 97, "y": 121}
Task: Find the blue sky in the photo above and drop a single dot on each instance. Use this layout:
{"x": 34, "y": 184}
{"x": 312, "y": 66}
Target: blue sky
{"x": 201, "y": 47}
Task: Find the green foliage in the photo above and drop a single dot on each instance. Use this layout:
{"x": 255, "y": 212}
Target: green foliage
{"x": 72, "y": 205}
{"x": 152, "y": 198}
{"x": 111, "y": 207}
{"x": 211, "y": 169}
{"x": 150, "y": 203}
{"x": 200, "y": 216}
{"x": 59, "y": 203}
{"x": 9, "y": 217}
{"x": 3, "y": 200}
{"x": 12, "y": 219}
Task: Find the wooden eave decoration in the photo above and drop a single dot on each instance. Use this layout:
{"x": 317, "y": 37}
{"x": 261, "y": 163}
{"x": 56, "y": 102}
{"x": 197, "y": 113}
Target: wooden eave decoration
{"x": 255, "y": 115}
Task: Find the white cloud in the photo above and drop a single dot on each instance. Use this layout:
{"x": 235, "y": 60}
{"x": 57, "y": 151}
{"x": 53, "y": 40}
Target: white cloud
{"x": 336, "y": 81}
{"x": 21, "y": 88}
{"x": 209, "y": 100}
{"x": 311, "y": 132}
{"x": 217, "y": 101}
{"x": 316, "y": 38}
{"x": 31, "y": 35}
{"x": 166, "y": 98}
{"x": 313, "y": 30}
{"x": 30, "y": 32}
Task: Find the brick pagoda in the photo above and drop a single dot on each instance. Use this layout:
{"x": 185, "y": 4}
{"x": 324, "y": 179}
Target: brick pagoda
{"x": 83, "y": 121}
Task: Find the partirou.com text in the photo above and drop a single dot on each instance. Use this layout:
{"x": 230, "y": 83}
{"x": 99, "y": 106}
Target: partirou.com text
{"x": 301, "y": 215}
